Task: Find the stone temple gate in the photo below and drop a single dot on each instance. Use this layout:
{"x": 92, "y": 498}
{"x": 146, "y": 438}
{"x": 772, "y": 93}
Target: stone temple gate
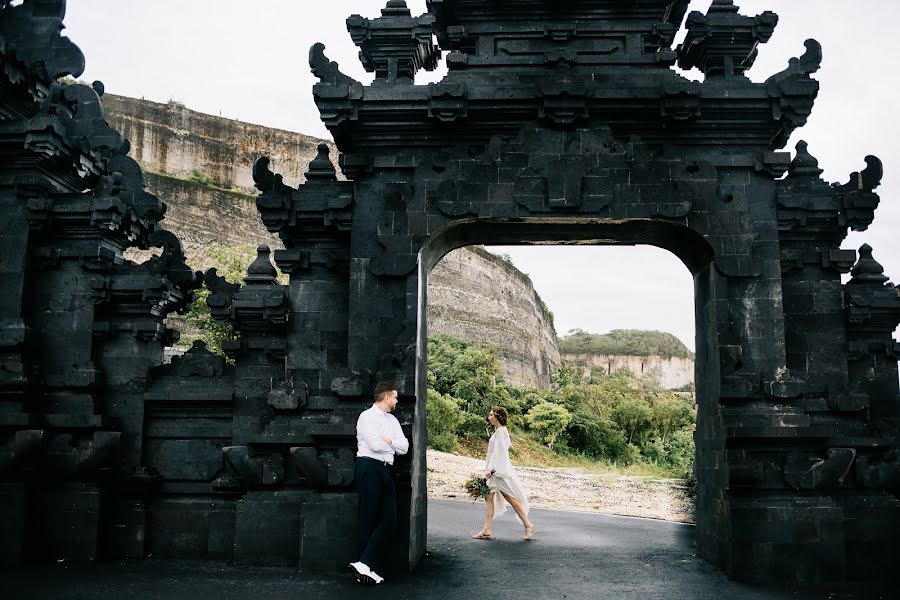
{"x": 558, "y": 122}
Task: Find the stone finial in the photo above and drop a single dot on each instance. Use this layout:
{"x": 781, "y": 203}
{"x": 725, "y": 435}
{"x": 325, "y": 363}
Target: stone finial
{"x": 261, "y": 271}
{"x": 723, "y": 6}
{"x": 804, "y": 163}
{"x": 396, "y": 8}
{"x": 321, "y": 167}
{"x": 867, "y": 269}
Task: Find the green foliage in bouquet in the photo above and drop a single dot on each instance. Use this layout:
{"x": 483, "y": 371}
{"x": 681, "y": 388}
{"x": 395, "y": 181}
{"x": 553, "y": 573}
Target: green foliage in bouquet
{"x": 477, "y": 487}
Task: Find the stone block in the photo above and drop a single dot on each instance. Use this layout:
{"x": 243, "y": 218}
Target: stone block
{"x": 65, "y": 523}
{"x": 268, "y": 528}
{"x": 12, "y": 525}
{"x": 191, "y": 528}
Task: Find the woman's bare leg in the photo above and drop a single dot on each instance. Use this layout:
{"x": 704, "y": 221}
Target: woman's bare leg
{"x": 520, "y": 510}
{"x": 488, "y": 517}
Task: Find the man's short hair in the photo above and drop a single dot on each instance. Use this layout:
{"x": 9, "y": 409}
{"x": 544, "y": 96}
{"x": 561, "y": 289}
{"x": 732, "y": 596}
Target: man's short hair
{"x": 383, "y": 388}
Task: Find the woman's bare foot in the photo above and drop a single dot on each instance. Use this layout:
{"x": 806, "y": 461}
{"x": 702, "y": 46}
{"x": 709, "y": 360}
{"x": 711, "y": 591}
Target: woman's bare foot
{"x": 482, "y": 535}
{"x": 529, "y": 532}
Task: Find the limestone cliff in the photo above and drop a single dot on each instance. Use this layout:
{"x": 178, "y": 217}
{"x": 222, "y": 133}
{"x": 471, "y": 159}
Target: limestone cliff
{"x": 472, "y": 294}
{"x": 478, "y": 296}
{"x": 674, "y": 372}
{"x": 174, "y": 140}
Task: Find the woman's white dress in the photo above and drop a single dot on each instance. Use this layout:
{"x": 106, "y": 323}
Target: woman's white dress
{"x": 504, "y": 478}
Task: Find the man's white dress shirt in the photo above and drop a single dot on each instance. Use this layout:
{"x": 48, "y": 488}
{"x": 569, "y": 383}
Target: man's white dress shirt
{"x": 372, "y": 427}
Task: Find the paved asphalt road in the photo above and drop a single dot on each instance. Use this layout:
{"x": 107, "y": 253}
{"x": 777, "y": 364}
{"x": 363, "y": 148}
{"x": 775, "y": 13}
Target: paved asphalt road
{"x": 573, "y": 555}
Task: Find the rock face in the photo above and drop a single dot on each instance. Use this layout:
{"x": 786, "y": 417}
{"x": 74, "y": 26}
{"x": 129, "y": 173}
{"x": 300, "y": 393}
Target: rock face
{"x": 478, "y": 296}
{"x": 674, "y": 372}
{"x": 174, "y": 140}
{"x": 201, "y": 215}
{"x": 472, "y": 294}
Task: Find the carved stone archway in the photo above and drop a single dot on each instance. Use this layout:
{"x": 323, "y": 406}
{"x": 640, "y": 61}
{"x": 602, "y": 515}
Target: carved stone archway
{"x": 558, "y": 121}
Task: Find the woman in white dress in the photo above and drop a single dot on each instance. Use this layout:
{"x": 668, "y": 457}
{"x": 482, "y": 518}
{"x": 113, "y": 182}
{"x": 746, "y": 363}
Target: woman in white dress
{"x": 502, "y": 479}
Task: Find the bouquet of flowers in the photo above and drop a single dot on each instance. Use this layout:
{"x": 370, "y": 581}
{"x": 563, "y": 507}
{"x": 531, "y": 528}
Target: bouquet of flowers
{"x": 477, "y": 487}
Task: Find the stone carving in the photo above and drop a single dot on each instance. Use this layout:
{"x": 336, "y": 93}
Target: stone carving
{"x": 288, "y": 396}
{"x": 813, "y": 473}
{"x": 793, "y": 91}
{"x": 324, "y": 468}
{"x": 875, "y": 473}
{"x": 448, "y": 101}
{"x": 340, "y": 92}
{"x": 198, "y": 362}
{"x": 22, "y": 450}
{"x": 243, "y": 471}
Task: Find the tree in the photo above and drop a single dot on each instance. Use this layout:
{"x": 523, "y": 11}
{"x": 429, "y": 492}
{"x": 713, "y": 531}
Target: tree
{"x": 443, "y": 418}
{"x": 633, "y": 417}
{"x": 629, "y": 342}
{"x": 671, "y": 412}
{"x": 548, "y": 420}
{"x": 567, "y": 375}
{"x": 466, "y": 371}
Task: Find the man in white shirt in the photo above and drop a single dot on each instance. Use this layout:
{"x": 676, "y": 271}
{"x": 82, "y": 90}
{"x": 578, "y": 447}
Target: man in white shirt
{"x": 378, "y": 438}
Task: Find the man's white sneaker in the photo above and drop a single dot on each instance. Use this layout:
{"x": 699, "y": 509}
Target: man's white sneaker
{"x": 364, "y": 574}
{"x": 375, "y": 577}
{"x": 359, "y": 570}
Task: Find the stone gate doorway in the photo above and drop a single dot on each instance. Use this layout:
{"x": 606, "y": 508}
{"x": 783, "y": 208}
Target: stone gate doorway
{"x": 694, "y": 252}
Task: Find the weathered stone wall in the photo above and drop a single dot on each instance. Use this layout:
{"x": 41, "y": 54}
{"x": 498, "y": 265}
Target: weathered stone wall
{"x": 475, "y": 295}
{"x": 674, "y": 372}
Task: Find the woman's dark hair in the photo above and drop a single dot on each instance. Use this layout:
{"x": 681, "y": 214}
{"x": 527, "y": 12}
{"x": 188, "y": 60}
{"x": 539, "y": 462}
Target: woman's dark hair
{"x": 500, "y": 413}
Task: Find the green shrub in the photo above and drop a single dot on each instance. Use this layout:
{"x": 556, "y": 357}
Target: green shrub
{"x": 680, "y": 451}
{"x": 633, "y": 417}
{"x": 596, "y": 436}
{"x": 442, "y": 442}
{"x": 466, "y": 371}
{"x": 212, "y": 332}
{"x": 474, "y": 426}
{"x": 443, "y": 414}
{"x": 198, "y": 176}
{"x": 548, "y": 420}
{"x": 567, "y": 375}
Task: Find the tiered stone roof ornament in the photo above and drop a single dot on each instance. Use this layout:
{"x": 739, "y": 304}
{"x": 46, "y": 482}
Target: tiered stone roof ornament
{"x": 723, "y": 43}
{"x": 396, "y": 45}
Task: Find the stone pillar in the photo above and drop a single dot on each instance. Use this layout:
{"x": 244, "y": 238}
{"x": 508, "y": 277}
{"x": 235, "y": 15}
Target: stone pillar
{"x": 267, "y": 522}
{"x": 873, "y": 312}
{"x": 314, "y": 222}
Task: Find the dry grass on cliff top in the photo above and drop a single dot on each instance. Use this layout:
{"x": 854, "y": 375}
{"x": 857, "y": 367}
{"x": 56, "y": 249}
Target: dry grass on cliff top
{"x": 528, "y": 452}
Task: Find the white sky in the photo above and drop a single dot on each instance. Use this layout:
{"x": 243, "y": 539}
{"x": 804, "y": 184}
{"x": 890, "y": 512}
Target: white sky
{"x": 248, "y": 61}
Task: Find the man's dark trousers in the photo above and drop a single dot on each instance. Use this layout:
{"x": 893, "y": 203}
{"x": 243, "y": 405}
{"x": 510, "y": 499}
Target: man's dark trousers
{"x": 377, "y": 507}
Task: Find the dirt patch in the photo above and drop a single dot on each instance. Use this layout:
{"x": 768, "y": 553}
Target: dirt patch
{"x": 570, "y": 489}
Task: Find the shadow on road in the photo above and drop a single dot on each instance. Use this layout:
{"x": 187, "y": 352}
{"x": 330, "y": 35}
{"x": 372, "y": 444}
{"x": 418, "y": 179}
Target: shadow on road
{"x": 574, "y": 555}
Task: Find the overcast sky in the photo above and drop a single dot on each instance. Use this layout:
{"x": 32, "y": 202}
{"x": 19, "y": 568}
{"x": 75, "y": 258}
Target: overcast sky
{"x": 248, "y": 61}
